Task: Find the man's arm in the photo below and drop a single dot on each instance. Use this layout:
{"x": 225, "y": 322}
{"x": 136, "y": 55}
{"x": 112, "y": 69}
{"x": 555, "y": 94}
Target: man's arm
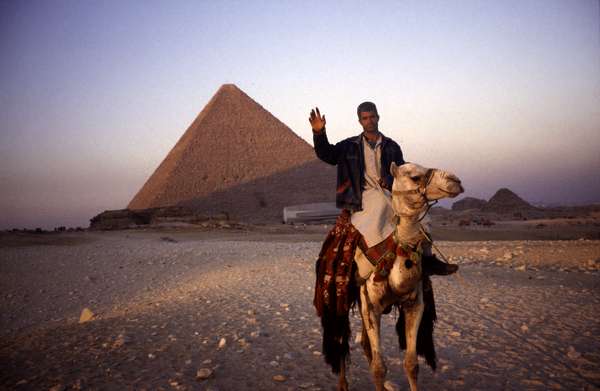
{"x": 398, "y": 157}
{"x": 324, "y": 150}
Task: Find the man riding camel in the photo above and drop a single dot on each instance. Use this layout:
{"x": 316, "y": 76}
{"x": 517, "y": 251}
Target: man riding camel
{"x": 364, "y": 180}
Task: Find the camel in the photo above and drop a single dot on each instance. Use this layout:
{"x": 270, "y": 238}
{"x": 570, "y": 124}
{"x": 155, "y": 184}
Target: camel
{"x": 396, "y": 280}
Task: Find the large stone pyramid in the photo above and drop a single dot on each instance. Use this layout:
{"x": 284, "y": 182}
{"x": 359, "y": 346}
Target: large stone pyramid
{"x": 237, "y": 158}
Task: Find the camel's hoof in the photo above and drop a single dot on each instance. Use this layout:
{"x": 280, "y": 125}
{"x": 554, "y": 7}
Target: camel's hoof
{"x": 342, "y": 387}
{"x": 389, "y": 386}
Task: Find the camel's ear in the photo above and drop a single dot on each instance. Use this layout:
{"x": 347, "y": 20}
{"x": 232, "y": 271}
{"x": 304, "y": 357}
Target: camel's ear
{"x": 393, "y": 168}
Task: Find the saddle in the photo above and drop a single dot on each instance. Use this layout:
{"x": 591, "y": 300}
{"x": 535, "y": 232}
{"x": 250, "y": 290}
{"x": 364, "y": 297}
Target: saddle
{"x": 336, "y": 286}
{"x": 381, "y": 257}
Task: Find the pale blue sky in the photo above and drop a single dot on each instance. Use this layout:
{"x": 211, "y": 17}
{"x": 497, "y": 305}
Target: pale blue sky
{"x": 94, "y": 94}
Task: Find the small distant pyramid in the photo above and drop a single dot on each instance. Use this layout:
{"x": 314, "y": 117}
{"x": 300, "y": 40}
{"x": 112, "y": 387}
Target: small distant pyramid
{"x": 506, "y": 201}
{"x": 468, "y": 203}
{"x": 237, "y": 158}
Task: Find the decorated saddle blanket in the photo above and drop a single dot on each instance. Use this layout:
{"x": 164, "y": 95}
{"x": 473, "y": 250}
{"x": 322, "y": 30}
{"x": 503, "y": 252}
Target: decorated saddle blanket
{"x": 379, "y": 259}
{"x": 336, "y": 288}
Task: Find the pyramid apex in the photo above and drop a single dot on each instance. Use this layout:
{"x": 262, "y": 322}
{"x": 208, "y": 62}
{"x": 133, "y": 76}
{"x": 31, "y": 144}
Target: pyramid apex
{"x": 229, "y": 86}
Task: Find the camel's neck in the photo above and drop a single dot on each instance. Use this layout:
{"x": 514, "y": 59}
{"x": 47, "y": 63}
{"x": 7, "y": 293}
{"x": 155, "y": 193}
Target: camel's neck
{"x": 408, "y": 230}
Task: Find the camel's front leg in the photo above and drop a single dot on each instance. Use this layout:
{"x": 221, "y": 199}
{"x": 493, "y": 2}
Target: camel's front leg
{"x": 342, "y": 382}
{"x": 412, "y": 315}
{"x": 371, "y": 317}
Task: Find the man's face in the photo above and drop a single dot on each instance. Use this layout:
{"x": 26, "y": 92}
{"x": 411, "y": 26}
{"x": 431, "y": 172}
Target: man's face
{"x": 369, "y": 121}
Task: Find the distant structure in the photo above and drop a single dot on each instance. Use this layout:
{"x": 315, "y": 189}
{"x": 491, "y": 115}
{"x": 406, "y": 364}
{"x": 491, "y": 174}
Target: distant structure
{"x": 315, "y": 212}
{"x": 505, "y": 201}
{"x": 468, "y": 203}
{"x": 237, "y": 159}
{"x": 503, "y": 204}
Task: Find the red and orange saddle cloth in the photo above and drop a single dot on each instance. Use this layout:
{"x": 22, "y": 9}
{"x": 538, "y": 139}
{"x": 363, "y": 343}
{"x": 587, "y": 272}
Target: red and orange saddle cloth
{"x": 335, "y": 288}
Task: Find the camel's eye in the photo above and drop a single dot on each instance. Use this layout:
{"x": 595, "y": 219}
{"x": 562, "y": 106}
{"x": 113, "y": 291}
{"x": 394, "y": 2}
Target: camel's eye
{"x": 416, "y": 178}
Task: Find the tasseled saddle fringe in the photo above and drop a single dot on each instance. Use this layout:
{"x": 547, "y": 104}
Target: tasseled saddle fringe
{"x": 336, "y": 290}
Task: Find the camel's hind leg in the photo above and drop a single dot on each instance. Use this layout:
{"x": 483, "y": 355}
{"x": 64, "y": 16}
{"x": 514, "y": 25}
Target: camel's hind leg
{"x": 371, "y": 318}
{"x": 412, "y": 316}
{"x": 342, "y": 382}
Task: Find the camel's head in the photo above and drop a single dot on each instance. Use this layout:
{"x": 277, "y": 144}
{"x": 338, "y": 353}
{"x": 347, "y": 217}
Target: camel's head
{"x": 415, "y": 185}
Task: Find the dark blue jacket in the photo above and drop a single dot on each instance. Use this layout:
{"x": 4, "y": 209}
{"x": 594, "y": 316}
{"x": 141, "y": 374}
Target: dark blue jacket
{"x": 348, "y": 155}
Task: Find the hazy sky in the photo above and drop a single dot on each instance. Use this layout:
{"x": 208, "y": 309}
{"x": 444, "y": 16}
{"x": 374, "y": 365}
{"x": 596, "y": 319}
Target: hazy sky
{"x": 93, "y": 94}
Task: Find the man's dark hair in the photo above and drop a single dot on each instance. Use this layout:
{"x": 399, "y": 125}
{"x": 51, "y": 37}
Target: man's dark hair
{"x": 366, "y": 106}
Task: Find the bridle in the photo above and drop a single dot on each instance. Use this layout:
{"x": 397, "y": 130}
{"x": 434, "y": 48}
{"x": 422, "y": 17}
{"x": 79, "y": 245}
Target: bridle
{"x": 420, "y": 190}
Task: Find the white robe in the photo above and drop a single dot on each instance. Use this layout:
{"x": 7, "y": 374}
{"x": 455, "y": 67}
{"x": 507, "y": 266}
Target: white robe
{"x": 375, "y": 221}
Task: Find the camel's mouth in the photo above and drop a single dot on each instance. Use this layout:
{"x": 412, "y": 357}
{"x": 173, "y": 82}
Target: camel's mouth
{"x": 458, "y": 189}
{"x": 453, "y": 188}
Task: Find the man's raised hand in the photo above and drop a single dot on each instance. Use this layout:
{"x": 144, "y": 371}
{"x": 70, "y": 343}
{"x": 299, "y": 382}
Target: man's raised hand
{"x": 316, "y": 121}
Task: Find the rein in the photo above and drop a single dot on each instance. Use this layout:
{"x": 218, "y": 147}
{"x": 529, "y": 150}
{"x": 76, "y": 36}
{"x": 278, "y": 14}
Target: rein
{"x": 429, "y": 205}
{"x": 459, "y": 278}
{"x": 422, "y": 191}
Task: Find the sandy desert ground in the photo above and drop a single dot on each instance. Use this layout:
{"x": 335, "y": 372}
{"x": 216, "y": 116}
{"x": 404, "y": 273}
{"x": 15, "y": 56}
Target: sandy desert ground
{"x": 231, "y": 309}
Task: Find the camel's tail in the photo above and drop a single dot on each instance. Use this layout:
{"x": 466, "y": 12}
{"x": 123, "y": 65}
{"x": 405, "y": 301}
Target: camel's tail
{"x": 336, "y": 333}
{"x": 425, "y": 346}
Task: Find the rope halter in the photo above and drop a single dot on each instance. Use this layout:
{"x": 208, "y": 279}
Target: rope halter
{"x": 420, "y": 190}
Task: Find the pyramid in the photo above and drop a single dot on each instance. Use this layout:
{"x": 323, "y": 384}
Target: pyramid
{"x": 237, "y": 158}
{"x": 506, "y": 201}
{"x": 468, "y": 203}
